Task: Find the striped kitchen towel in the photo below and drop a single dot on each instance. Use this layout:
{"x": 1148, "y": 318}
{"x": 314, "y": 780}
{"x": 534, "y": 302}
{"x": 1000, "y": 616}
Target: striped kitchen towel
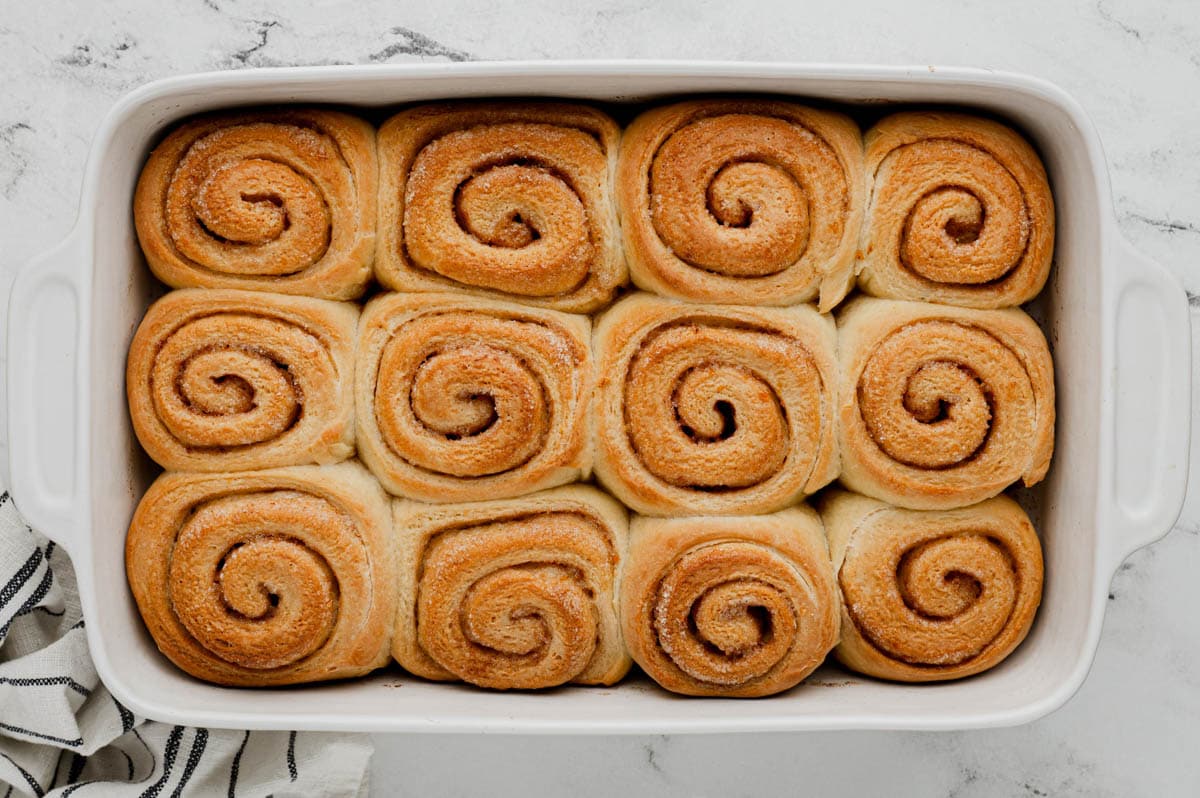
{"x": 62, "y": 734}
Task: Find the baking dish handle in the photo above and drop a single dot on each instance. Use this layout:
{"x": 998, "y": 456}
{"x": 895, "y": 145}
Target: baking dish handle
{"x": 44, "y": 377}
{"x": 1151, "y": 387}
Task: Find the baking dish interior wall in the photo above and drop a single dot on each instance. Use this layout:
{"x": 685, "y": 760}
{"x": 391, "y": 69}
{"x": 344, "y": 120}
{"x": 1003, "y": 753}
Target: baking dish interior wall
{"x": 122, "y": 288}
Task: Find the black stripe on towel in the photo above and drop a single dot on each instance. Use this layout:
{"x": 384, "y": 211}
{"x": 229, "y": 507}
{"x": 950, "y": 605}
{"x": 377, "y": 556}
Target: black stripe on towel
{"x": 126, "y": 716}
{"x": 169, "y": 754}
{"x": 77, "y": 763}
{"x": 233, "y": 769}
{"x": 291, "y": 757}
{"x": 42, "y": 589}
{"x": 22, "y": 576}
{"x": 48, "y": 737}
{"x": 198, "y": 744}
{"x": 47, "y": 681}
{"x": 29, "y": 779}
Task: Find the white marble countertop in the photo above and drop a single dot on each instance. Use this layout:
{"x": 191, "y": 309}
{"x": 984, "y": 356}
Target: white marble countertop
{"x": 1134, "y": 727}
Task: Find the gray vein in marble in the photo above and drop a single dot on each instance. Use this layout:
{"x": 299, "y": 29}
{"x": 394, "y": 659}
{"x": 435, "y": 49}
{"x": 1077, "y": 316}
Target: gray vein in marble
{"x": 1107, "y": 16}
{"x": 1169, "y": 225}
{"x": 14, "y": 158}
{"x": 89, "y": 54}
{"x": 262, "y": 33}
{"x": 413, "y": 42}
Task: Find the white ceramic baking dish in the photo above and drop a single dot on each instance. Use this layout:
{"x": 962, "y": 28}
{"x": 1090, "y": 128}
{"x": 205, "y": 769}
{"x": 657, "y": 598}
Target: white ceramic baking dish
{"x": 1117, "y": 322}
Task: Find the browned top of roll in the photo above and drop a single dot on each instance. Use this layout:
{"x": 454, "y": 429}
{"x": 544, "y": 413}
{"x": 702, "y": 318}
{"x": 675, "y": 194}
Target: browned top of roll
{"x": 279, "y": 200}
{"x": 713, "y": 409}
{"x": 737, "y": 607}
{"x": 266, "y": 577}
{"x": 959, "y": 211}
{"x": 942, "y": 406}
{"x": 224, "y": 380}
{"x": 508, "y": 200}
{"x": 742, "y": 201}
{"x": 463, "y": 398}
{"x": 932, "y": 595}
{"x": 512, "y": 594}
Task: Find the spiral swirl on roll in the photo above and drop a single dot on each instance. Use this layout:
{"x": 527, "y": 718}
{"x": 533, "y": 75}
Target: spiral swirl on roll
{"x": 515, "y": 594}
{"x": 729, "y": 606}
{"x": 462, "y": 399}
{"x": 742, "y": 201}
{"x": 959, "y": 211}
{"x": 223, "y": 380}
{"x": 268, "y": 577}
{"x": 714, "y": 409}
{"x": 279, "y": 201}
{"x": 503, "y": 200}
{"x": 932, "y": 595}
{"x": 942, "y": 407}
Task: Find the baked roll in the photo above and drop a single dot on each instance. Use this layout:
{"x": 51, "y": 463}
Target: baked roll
{"x": 742, "y": 201}
{"x": 512, "y": 594}
{"x": 462, "y": 398}
{"x": 280, "y": 201}
{"x": 223, "y": 380}
{"x": 959, "y": 211}
{"x": 736, "y": 607}
{"x": 266, "y": 577}
{"x": 711, "y": 409}
{"x": 505, "y": 200}
{"x": 931, "y": 595}
{"x": 942, "y": 407}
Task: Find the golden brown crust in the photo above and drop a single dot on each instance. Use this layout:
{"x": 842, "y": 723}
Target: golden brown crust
{"x": 714, "y": 409}
{"x": 736, "y": 607}
{"x": 942, "y": 407}
{"x": 462, "y": 398}
{"x": 512, "y": 594}
{"x": 931, "y": 595}
{"x": 959, "y": 211}
{"x": 280, "y": 200}
{"x": 266, "y": 577}
{"x": 505, "y": 200}
{"x": 223, "y": 380}
{"x": 749, "y": 202}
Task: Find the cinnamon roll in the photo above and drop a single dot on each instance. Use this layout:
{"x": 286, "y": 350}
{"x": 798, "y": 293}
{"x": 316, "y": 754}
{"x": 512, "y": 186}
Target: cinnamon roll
{"x": 506, "y": 200}
{"x": 266, "y": 577}
{"x": 736, "y": 607}
{"x": 512, "y": 594}
{"x": 279, "y": 201}
{"x": 959, "y": 211}
{"x": 463, "y": 398}
{"x": 940, "y": 406}
{"x": 714, "y": 409}
{"x": 223, "y": 380}
{"x": 742, "y": 201}
{"x": 931, "y": 595}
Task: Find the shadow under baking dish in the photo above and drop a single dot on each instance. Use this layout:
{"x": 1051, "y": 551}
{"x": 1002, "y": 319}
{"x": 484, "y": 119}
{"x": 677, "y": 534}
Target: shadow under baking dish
{"x": 1074, "y": 311}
